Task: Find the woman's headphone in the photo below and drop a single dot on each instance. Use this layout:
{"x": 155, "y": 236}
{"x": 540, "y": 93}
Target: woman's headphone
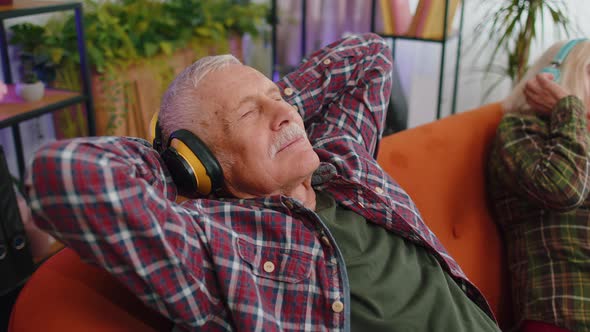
{"x": 564, "y": 51}
{"x": 194, "y": 169}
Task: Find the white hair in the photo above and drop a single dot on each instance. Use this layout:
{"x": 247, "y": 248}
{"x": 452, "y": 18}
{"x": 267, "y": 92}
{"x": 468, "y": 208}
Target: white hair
{"x": 574, "y": 75}
{"x": 180, "y": 106}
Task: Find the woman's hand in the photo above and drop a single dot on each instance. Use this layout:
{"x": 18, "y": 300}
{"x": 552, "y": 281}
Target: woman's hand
{"x": 542, "y": 93}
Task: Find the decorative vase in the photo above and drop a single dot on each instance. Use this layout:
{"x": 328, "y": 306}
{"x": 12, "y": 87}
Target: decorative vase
{"x": 30, "y": 91}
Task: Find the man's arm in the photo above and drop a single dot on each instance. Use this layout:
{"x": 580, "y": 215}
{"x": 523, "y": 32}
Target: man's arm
{"x": 548, "y": 161}
{"x": 111, "y": 201}
{"x": 344, "y": 87}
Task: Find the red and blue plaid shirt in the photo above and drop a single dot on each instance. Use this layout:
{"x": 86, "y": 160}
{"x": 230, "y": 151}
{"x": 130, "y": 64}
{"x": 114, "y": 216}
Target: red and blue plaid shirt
{"x": 262, "y": 264}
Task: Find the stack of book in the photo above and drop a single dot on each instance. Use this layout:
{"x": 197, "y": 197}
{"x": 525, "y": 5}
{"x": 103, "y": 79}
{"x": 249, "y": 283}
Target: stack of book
{"x": 427, "y": 22}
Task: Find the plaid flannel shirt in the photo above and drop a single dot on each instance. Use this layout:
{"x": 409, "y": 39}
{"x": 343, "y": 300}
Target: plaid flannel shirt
{"x": 264, "y": 264}
{"x": 539, "y": 183}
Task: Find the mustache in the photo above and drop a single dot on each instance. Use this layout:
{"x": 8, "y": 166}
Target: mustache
{"x": 288, "y": 134}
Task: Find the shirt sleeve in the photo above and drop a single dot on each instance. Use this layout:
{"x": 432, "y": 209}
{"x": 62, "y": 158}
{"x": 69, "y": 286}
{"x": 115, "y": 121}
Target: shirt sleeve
{"x": 111, "y": 201}
{"x": 344, "y": 87}
{"x": 548, "y": 160}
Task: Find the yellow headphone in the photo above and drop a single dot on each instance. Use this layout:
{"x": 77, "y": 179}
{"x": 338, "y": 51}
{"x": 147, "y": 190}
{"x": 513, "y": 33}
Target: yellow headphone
{"x": 195, "y": 170}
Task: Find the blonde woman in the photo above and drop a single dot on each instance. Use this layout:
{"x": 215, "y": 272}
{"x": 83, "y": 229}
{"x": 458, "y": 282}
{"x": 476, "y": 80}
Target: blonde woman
{"x": 539, "y": 182}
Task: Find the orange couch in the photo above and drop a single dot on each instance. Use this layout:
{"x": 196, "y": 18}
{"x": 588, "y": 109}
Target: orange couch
{"x": 440, "y": 164}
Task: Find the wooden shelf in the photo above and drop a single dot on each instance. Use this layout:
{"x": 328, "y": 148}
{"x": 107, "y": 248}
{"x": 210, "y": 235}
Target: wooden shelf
{"x": 432, "y": 40}
{"x": 29, "y": 7}
{"x": 14, "y": 109}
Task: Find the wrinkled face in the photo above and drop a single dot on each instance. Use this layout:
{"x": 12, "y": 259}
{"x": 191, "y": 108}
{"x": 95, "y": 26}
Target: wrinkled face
{"x": 258, "y": 138}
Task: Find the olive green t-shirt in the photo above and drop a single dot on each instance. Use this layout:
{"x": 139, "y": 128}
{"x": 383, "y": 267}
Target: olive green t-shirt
{"x": 396, "y": 285}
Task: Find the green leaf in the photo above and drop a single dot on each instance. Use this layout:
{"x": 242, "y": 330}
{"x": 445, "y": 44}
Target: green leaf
{"x": 150, "y": 49}
{"x": 166, "y": 47}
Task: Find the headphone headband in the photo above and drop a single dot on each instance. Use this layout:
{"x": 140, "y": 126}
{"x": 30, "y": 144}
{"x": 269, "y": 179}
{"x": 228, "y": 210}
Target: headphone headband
{"x": 565, "y": 50}
{"x": 155, "y": 133}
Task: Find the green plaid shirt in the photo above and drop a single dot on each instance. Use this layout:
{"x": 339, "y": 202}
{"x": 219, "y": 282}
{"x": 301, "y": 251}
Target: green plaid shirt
{"x": 539, "y": 182}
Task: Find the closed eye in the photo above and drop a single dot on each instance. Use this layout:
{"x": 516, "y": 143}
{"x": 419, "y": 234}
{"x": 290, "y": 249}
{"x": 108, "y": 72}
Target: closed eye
{"x": 249, "y": 113}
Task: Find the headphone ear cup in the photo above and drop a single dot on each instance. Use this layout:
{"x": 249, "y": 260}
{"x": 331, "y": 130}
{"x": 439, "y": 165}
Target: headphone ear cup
{"x": 195, "y": 170}
{"x": 553, "y": 71}
{"x": 182, "y": 173}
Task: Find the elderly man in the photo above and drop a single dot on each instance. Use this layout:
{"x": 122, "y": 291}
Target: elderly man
{"x": 303, "y": 232}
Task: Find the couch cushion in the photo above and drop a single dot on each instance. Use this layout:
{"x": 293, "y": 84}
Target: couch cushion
{"x": 441, "y": 166}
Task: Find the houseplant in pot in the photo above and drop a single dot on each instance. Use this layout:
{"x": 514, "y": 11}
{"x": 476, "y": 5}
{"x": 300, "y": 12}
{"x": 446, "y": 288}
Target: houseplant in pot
{"x": 30, "y": 41}
{"x": 30, "y": 88}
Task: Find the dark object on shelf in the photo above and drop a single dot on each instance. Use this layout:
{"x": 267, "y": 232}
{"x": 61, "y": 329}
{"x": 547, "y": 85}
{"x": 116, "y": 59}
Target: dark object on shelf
{"x": 397, "y": 110}
{"x": 16, "y": 261}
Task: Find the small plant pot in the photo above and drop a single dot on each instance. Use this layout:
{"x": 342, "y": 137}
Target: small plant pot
{"x": 30, "y": 91}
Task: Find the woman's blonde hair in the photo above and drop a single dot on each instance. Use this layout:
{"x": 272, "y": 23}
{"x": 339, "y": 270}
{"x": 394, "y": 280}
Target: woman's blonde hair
{"x": 575, "y": 72}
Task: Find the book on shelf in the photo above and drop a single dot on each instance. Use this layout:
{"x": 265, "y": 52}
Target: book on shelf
{"x": 401, "y": 16}
{"x": 386, "y": 16}
{"x": 429, "y": 19}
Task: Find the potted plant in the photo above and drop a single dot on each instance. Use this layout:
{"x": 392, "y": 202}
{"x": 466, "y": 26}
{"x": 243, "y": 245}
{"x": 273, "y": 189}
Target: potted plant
{"x": 30, "y": 88}
{"x": 34, "y": 60}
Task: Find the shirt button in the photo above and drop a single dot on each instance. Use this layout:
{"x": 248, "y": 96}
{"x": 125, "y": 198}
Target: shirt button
{"x": 269, "y": 267}
{"x": 337, "y": 306}
{"x": 289, "y": 204}
{"x": 288, "y": 91}
{"x": 327, "y": 62}
{"x": 326, "y": 241}
{"x": 379, "y": 190}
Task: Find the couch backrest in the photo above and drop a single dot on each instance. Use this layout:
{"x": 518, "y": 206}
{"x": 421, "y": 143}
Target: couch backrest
{"x": 441, "y": 166}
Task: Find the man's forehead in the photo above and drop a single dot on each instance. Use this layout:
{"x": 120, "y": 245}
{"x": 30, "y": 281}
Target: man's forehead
{"x": 227, "y": 88}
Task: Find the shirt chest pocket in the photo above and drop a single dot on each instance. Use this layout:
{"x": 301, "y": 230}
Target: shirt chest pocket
{"x": 286, "y": 265}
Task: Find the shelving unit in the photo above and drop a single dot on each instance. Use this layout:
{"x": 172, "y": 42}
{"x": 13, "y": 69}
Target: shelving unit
{"x": 274, "y": 21}
{"x": 442, "y": 42}
{"x": 13, "y": 109}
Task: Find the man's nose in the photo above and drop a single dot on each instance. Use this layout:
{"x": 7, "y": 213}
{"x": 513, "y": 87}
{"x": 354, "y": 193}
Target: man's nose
{"x": 281, "y": 114}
